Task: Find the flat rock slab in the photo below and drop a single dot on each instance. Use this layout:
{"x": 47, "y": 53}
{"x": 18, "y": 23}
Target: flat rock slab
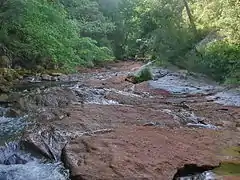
{"x": 143, "y": 152}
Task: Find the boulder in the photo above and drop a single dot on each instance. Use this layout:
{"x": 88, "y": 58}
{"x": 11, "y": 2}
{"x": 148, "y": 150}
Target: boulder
{"x": 5, "y": 62}
{"x": 13, "y": 113}
{"x": 46, "y": 77}
{"x": 50, "y": 97}
{"x": 144, "y": 74}
{"x": 56, "y": 74}
{"x": 54, "y": 78}
{"x": 63, "y": 78}
{"x": 8, "y": 74}
{"x": 45, "y": 141}
{"x": 3, "y": 98}
{"x": 212, "y": 37}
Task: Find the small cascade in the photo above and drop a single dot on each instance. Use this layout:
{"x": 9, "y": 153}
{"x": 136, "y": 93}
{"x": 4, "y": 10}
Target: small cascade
{"x": 194, "y": 172}
{"x": 93, "y": 95}
{"x": 33, "y": 170}
{"x": 10, "y": 127}
{"x": 16, "y": 164}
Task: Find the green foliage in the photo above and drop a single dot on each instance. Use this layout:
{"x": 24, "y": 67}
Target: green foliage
{"x": 92, "y": 54}
{"x": 218, "y": 14}
{"x": 156, "y": 28}
{"x": 123, "y": 37}
{"x": 40, "y": 32}
{"x": 91, "y": 21}
{"x": 222, "y": 57}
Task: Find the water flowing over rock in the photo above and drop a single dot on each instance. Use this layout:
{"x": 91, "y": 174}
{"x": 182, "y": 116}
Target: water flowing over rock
{"x": 93, "y": 95}
{"x": 208, "y": 175}
{"x": 230, "y": 97}
{"x": 189, "y": 119}
{"x": 33, "y": 170}
{"x": 10, "y": 126}
{"x": 12, "y": 154}
{"x": 182, "y": 83}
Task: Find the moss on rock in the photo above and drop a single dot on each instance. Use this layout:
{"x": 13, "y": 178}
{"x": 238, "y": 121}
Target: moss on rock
{"x": 142, "y": 75}
{"x": 228, "y": 168}
{"x": 5, "y": 62}
{"x": 8, "y": 74}
{"x": 232, "y": 165}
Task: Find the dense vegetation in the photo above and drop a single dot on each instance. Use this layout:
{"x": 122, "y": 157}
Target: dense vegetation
{"x": 201, "y": 35}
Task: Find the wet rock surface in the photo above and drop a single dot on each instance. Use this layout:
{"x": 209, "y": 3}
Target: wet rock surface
{"x": 103, "y": 127}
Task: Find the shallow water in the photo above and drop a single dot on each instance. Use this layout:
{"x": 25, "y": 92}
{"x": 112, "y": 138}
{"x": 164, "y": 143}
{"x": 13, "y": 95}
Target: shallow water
{"x": 10, "y": 127}
{"x": 178, "y": 83}
{"x": 189, "y": 119}
{"x": 230, "y": 97}
{"x": 190, "y": 83}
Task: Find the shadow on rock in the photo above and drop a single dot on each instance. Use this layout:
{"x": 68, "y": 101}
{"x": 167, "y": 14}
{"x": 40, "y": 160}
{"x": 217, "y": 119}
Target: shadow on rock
{"x": 45, "y": 141}
{"x": 12, "y": 154}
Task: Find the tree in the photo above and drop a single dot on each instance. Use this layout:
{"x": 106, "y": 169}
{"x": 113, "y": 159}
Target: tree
{"x": 221, "y": 57}
{"x": 39, "y": 32}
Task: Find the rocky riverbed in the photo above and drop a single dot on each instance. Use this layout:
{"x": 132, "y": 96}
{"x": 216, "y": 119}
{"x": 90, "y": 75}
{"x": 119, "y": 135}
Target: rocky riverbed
{"x": 97, "y": 125}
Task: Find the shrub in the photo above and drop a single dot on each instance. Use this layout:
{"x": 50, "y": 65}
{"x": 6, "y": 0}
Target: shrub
{"x": 222, "y": 59}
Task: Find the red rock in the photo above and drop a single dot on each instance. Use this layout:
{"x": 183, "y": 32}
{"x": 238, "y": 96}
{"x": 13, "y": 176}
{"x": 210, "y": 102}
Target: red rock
{"x": 141, "y": 153}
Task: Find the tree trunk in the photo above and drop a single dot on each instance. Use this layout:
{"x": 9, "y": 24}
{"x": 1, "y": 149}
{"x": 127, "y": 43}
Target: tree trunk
{"x": 193, "y": 26}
